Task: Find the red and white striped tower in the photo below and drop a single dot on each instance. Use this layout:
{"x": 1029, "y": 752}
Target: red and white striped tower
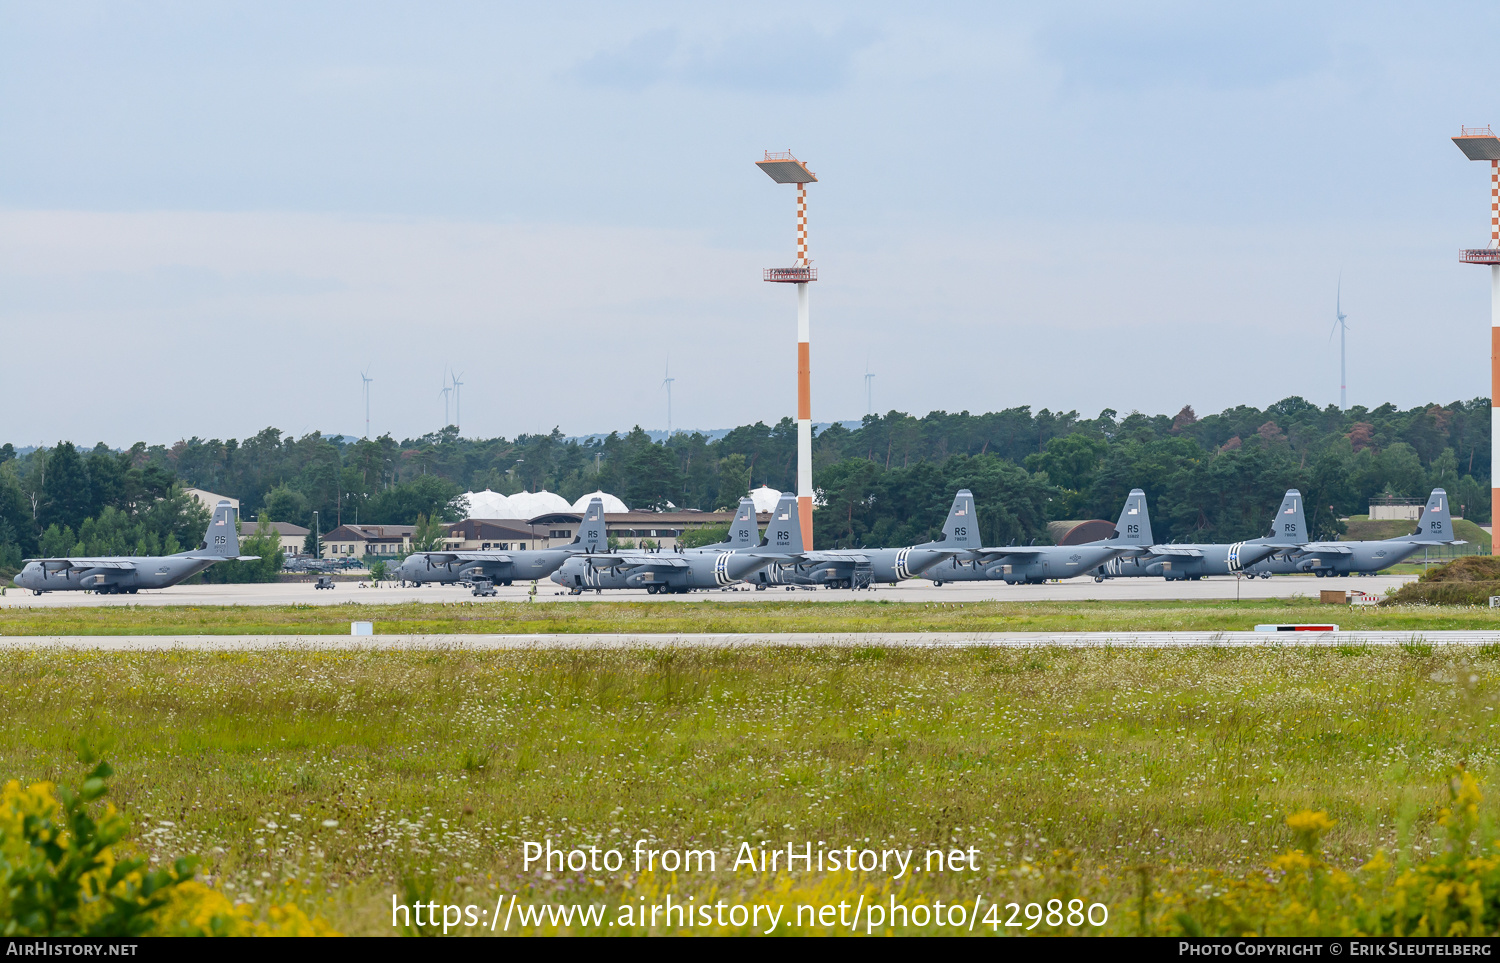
{"x": 1480, "y": 143}
{"x": 786, "y": 169}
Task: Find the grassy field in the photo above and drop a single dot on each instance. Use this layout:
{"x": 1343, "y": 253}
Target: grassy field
{"x": 338, "y": 779}
{"x": 768, "y": 617}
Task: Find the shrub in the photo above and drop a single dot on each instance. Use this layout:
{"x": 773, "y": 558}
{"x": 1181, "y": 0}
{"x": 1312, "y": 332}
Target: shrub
{"x": 65, "y": 872}
{"x": 1470, "y": 568}
{"x": 1454, "y": 894}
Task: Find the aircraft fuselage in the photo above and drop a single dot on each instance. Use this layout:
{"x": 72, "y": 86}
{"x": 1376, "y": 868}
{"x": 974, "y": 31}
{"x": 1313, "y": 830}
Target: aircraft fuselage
{"x": 1037, "y": 565}
{"x": 519, "y": 566}
{"x": 668, "y": 572}
{"x": 149, "y": 572}
{"x": 1362, "y": 558}
{"x": 1209, "y": 560}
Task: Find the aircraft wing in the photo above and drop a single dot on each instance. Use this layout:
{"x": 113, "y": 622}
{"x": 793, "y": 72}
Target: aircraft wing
{"x": 987, "y": 555}
{"x": 636, "y": 561}
{"x": 832, "y": 557}
{"x": 1326, "y": 548}
{"x": 58, "y": 564}
{"x": 222, "y": 558}
{"x": 656, "y": 561}
{"x": 1175, "y": 552}
{"x": 443, "y": 558}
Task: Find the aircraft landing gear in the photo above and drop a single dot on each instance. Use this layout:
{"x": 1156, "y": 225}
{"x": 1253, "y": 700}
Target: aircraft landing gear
{"x": 36, "y": 591}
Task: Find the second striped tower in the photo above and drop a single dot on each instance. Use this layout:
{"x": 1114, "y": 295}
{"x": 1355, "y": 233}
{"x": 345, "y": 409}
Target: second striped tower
{"x": 1481, "y": 144}
{"x": 783, "y": 168}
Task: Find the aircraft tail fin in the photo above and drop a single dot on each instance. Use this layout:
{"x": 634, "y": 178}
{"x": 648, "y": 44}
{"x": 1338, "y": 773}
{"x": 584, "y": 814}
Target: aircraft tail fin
{"x": 744, "y": 531}
{"x": 592, "y": 536}
{"x": 1436, "y": 523}
{"x": 961, "y": 530}
{"x": 221, "y": 539}
{"x": 1134, "y": 526}
{"x": 1290, "y": 526}
{"x": 784, "y": 533}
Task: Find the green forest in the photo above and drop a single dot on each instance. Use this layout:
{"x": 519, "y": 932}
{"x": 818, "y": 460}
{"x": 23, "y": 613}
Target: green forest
{"x": 889, "y": 481}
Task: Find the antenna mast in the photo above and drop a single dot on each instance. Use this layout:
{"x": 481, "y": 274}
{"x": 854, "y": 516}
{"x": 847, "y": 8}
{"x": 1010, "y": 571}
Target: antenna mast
{"x": 869, "y": 396}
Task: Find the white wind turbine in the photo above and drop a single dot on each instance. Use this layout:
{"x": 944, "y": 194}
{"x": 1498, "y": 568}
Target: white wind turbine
{"x": 458, "y": 401}
{"x": 1342, "y": 328}
{"x": 365, "y": 377}
{"x": 869, "y": 396}
{"x": 667, "y": 383}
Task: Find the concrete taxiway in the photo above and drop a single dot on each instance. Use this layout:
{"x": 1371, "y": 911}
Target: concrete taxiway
{"x": 1122, "y": 640}
{"x": 916, "y": 590}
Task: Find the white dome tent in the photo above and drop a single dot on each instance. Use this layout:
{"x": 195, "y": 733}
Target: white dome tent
{"x": 488, "y": 504}
{"x": 765, "y": 498}
{"x": 532, "y": 504}
{"x": 612, "y": 505}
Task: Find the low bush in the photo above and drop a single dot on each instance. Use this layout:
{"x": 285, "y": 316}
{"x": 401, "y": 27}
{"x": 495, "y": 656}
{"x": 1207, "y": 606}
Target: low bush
{"x": 1470, "y": 580}
{"x": 64, "y": 871}
{"x": 1470, "y": 568}
{"x": 1456, "y": 894}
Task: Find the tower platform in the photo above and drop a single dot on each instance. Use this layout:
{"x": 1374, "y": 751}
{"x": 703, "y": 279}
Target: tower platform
{"x": 791, "y": 275}
{"x": 1478, "y": 143}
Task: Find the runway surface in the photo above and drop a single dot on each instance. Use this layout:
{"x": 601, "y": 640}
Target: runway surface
{"x": 1123, "y": 640}
{"x": 916, "y": 590}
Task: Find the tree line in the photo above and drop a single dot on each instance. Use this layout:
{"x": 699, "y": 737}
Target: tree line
{"x": 887, "y": 481}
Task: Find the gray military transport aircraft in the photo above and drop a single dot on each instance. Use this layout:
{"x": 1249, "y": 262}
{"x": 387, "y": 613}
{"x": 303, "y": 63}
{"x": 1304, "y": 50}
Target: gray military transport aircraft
{"x": 1327, "y": 559}
{"x": 1182, "y": 562}
{"x": 860, "y": 567}
{"x": 505, "y": 567}
{"x": 120, "y": 574}
{"x": 693, "y": 568}
{"x": 1030, "y": 564}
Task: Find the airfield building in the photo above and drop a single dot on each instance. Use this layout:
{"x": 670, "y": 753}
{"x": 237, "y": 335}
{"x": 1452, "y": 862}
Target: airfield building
{"x": 291, "y": 538}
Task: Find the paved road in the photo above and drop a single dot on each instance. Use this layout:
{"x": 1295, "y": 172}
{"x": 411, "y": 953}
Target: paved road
{"x": 916, "y": 590}
{"x": 725, "y": 640}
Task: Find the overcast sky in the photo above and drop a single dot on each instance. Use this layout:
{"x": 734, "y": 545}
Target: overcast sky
{"x": 213, "y": 217}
